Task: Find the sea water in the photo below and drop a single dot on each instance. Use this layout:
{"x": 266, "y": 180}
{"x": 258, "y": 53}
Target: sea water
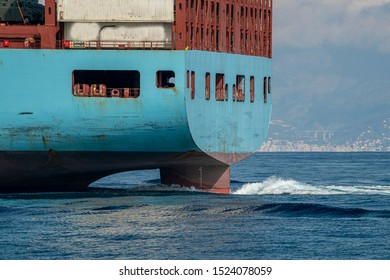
{"x": 283, "y": 206}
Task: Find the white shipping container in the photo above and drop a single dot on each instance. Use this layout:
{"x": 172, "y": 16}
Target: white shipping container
{"x": 115, "y": 10}
{"x": 128, "y": 32}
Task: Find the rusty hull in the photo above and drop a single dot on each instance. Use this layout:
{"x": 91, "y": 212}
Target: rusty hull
{"x": 53, "y": 171}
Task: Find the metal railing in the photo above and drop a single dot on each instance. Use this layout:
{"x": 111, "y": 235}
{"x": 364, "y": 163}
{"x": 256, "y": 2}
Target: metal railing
{"x": 100, "y": 90}
{"x": 121, "y": 45}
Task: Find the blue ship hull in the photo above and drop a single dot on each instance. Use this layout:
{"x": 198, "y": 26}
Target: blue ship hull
{"x": 52, "y": 139}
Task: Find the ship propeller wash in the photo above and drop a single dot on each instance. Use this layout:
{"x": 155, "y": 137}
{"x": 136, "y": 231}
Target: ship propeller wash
{"x": 97, "y": 87}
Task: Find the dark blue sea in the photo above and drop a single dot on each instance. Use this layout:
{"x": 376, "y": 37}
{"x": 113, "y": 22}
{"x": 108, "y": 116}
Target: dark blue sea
{"x": 327, "y": 206}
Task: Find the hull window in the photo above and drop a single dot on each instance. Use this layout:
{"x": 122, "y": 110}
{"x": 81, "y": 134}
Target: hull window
{"x": 219, "y": 84}
{"x": 240, "y": 81}
{"x": 165, "y": 79}
{"x": 192, "y": 85}
{"x": 106, "y": 83}
{"x": 207, "y": 89}
{"x": 265, "y": 89}
{"x": 252, "y": 89}
{"x": 269, "y": 84}
{"x": 226, "y": 92}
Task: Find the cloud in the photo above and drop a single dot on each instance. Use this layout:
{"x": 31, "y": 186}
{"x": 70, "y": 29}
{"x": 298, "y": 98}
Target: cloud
{"x": 359, "y": 5}
{"x": 355, "y": 23}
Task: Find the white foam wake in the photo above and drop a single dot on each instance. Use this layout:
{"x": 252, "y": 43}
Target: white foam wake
{"x": 276, "y": 186}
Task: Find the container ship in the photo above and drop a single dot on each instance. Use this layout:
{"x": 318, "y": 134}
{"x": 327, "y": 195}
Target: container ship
{"x": 91, "y": 88}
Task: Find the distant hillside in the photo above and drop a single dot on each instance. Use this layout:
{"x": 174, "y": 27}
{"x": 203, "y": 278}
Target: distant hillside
{"x": 345, "y": 92}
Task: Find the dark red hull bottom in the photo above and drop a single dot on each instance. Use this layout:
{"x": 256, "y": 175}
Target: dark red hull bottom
{"x": 74, "y": 171}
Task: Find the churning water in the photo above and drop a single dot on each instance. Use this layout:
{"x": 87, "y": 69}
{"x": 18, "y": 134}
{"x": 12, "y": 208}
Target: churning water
{"x": 282, "y": 206}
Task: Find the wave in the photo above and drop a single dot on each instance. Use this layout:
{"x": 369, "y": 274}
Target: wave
{"x": 307, "y": 210}
{"x": 114, "y": 208}
{"x": 288, "y": 209}
{"x": 278, "y": 186}
{"x": 4, "y": 209}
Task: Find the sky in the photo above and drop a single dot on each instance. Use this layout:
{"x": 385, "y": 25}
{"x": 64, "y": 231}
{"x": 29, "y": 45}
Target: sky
{"x": 331, "y": 65}
{"x": 314, "y": 23}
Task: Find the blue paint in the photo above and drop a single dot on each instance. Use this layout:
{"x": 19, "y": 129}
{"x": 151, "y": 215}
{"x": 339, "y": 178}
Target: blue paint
{"x": 228, "y": 126}
{"x": 38, "y": 111}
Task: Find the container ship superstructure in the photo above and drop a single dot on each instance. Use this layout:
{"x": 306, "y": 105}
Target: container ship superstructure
{"x": 105, "y": 86}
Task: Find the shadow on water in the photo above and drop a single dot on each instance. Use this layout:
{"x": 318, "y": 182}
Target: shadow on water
{"x": 310, "y": 210}
{"x": 92, "y": 192}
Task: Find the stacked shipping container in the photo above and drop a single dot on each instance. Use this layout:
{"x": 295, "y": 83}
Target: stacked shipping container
{"x": 233, "y": 26}
{"x": 115, "y": 23}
